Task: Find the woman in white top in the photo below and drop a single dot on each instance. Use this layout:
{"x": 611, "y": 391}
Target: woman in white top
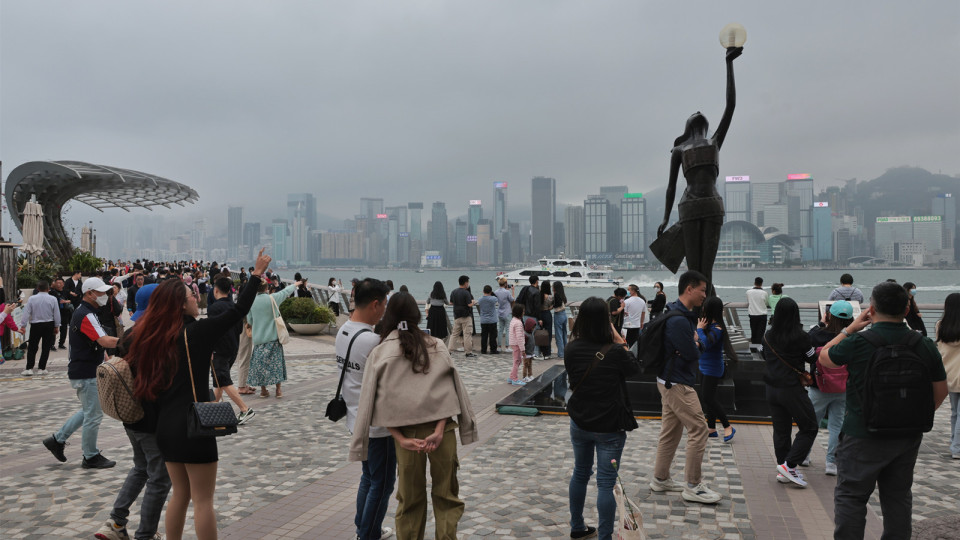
{"x": 334, "y": 286}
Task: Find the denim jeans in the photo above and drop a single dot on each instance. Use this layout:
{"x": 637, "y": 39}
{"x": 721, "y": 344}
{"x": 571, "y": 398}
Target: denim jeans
{"x": 608, "y": 446}
{"x": 954, "y": 425}
{"x": 560, "y": 331}
{"x": 89, "y": 416}
{"x": 148, "y": 469}
{"x": 503, "y": 333}
{"x": 376, "y": 484}
{"x": 834, "y": 404}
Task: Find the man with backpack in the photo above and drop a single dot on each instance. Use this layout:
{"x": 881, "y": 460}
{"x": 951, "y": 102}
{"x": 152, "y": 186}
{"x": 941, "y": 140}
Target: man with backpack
{"x": 678, "y": 397}
{"x": 896, "y": 381}
{"x": 532, "y": 302}
{"x": 846, "y": 291}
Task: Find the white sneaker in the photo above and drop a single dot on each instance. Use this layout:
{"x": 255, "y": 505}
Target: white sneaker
{"x": 538, "y": 357}
{"x": 665, "y": 485}
{"x": 792, "y": 475}
{"x": 459, "y": 349}
{"x": 112, "y": 531}
{"x": 783, "y": 479}
{"x": 528, "y": 379}
{"x": 41, "y": 372}
{"x": 831, "y": 469}
{"x": 700, "y": 494}
{"x": 27, "y": 373}
{"x": 805, "y": 463}
{"x": 385, "y": 532}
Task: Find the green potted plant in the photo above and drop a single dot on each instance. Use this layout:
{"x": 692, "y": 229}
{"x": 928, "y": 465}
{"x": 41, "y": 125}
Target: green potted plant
{"x": 304, "y": 316}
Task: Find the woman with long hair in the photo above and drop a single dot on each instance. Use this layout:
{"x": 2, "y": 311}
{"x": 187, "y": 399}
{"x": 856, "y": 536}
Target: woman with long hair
{"x": 786, "y": 351}
{"x": 598, "y": 364}
{"x": 546, "y": 316}
{"x": 831, "y": 404}
{"x": 437, "y": 322}
{"x": 267, "y": 363}
{"x": 411, "y": 386}
{"x": 559, "y": 307}
{"x": 170, "y": 350}
{"x": 948, "y": 343}
{"x": 914, "y": 318}
{"x": 710, "y": 330}
{"x": 334, "y": 288}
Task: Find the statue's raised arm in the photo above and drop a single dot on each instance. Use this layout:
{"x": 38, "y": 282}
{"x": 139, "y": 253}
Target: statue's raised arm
{"x": 732, "y": 54}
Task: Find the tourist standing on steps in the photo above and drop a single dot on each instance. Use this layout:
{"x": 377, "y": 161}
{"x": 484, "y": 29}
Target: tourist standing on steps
{"x": 678, "y": 398}
{"x": 463, "y": 303}
{"x": 757, "y": 311}
{"x": 786, "y": 351}
{"x": 355, "y": 339}
{"x": 948, "y": 343}
{"x": 597, "y": 363}
{"x": 411, "y": 386}
{"x": 88, "y": 343}
{"x": 710, "y": 330}
{"x": 865, "y": 461}
{"x": 42, "y": 313}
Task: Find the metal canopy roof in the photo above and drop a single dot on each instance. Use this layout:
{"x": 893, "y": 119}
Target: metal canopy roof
{"x": 56, "y": 182}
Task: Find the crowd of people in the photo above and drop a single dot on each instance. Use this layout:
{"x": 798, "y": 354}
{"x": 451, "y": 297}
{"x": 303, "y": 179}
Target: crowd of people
{"x": 388, "y": 353}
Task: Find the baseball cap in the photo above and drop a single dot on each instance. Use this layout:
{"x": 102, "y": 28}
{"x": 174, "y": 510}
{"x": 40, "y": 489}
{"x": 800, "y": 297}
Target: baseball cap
{"x": 143, "y": 299}
{"x": 94, "y": 284}
{"x": 841, "y": 309}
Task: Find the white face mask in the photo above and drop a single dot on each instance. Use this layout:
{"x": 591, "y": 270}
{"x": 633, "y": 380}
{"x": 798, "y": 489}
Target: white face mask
{"x": 102, "y": 300}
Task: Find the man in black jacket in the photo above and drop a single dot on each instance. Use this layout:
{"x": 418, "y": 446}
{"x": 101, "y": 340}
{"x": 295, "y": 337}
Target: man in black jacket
{"x": 225, "y": 352}
{"x": 532, "y": 302}
{"x": 72, "y": 291}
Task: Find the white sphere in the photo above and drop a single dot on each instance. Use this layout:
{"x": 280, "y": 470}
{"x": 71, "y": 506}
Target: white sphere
{"x": 733, "y": 35}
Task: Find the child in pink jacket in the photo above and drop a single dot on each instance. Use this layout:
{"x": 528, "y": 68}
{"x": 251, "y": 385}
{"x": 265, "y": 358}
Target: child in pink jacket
{"x": 517, "y": 345}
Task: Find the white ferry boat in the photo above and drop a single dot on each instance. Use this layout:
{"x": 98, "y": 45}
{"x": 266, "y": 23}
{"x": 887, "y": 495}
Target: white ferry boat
{"x": 570, "y": 272}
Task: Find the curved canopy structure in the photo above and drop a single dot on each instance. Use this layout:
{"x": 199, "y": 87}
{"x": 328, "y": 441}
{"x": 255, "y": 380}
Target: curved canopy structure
{"x": 56, "y": 182}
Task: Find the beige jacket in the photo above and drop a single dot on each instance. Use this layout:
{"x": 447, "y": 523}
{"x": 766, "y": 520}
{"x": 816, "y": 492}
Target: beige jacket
{"x": 392, "y": 395}
{"x": 951, "y": 362}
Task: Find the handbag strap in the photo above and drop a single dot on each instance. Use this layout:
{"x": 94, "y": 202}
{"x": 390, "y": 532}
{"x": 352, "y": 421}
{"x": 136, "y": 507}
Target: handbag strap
{"x": 193, "y": 386}
{"x": 275, "y": 310}
{"x": 343, "y": 370}
{"x": 797, "y": 371}
{"x": 598, "y": 357}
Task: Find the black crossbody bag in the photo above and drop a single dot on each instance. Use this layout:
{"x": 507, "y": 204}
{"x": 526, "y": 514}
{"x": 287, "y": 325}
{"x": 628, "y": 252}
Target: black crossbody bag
{"x": 337, "y": 408}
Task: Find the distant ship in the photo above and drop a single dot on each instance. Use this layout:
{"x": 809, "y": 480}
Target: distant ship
{"x": 570, "y": 272}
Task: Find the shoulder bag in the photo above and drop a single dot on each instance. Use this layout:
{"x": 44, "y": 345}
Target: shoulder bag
{"x": 209, "y": 418}
{"x": 337, "y": 408}
{"x": 804, "y": 376}
{"x": 282, "y": 335}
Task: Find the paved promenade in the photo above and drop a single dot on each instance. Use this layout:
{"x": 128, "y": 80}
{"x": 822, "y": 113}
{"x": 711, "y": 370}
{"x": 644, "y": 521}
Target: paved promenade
{"x": 285, "y": 475}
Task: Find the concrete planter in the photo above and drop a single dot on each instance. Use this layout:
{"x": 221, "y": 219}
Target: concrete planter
{"x": 308, "y": 329}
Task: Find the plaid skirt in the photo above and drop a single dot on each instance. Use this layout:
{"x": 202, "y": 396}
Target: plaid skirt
{"x": 267, "y": 365}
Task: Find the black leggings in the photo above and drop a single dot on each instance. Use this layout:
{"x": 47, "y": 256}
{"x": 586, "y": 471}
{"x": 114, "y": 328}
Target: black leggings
{"x": 711, "y": 404}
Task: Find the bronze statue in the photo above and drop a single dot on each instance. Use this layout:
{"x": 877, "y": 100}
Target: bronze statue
{"x": 697, "y": 233}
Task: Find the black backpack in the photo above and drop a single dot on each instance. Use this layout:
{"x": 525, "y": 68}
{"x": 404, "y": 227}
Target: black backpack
{"x": 897, "y": 397}
{"x": 652, "y": 347}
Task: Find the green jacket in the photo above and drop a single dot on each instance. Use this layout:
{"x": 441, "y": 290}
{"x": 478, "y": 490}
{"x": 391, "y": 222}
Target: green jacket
{"x": 262, "y": 314}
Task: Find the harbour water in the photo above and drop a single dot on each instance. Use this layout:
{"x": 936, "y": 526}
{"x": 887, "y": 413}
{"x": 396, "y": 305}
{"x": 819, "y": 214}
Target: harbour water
{"x": 801, "y": 285}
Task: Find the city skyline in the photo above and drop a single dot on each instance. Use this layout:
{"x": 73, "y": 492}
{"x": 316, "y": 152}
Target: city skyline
{"x": 431, "y": 108}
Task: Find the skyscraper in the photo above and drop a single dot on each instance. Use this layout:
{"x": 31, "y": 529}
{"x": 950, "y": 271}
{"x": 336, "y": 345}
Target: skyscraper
{"x": 415, "y": 210}
{"x": 736, "y": 198}
{"x": 633, "y": 213}
{"x": 595, "y": 212}
{"x": 499, "y": 225}
{"x": 370, "y": 207}
{"x": 306, "y": 205}
{"x": 251, "y": 239}
{"x": 439, "y": 239}
{"x": 573, "y": 221}
{"x": 278, "y": 234}
{"x": 614, "y": 196}
{"x": 544, "y": 204}
{"x": 801, "y": 186}
{"x": 761, "y": 195}
{"x": 822, "y": 232}
{"x": 234, "y": 231}
{"x": 474, "y": 215}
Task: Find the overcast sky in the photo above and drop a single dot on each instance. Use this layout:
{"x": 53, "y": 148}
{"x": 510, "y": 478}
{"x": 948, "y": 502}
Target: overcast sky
{"x": 435, "y": 100}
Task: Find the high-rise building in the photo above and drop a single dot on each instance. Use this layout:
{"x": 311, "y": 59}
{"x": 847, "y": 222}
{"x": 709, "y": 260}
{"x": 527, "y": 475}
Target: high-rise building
{"x": 891, "y": 229}
{"x": 439, "y": 238}
{"x": 513, "y": 242}
{"x": 544, "y": 204}
{"x": 776, "y": 215}
{"x": 573, "y": 221}
{"x": 736, "y": 198}
{"x": 474, "y": 215}
{"x": 614, "y": 195}
{"x": 633, "y": 211}
{"x": 198, "y": 235}
{"x": 416, "y": 246}
{"x": 278, "y": 241}
{"x": 595, "y": 212}
{"x": 763, "y": 194}
{"x": 460, "y": 242}
{"x": 499, "y": 225}
{"x": 822, "y": 232}
{"x": 801, "y": 187}
{"x": 251, "y": 239}
{"x": 945, "y": 205}
{"x": 234, "y": 231}
{"x": 304, "y": 204}
{"x": 485, "y": 242}
{"x": 370, "y": 207}
{"x": 929, "y": 230}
